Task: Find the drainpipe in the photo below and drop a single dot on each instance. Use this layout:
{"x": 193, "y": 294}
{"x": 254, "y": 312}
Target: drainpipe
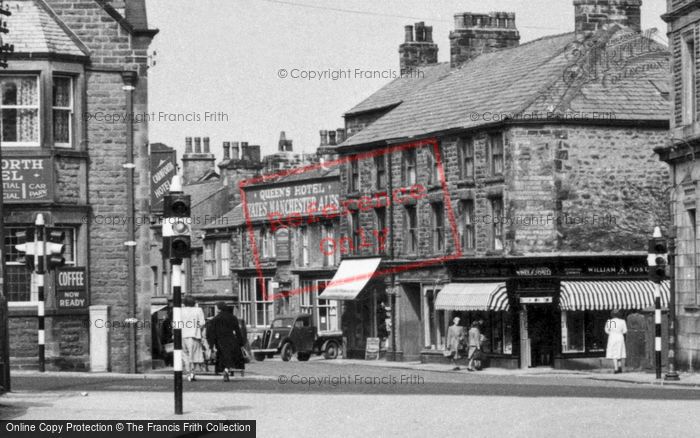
{"x": 129, "y": 78}
{"x": 394, "y": 291}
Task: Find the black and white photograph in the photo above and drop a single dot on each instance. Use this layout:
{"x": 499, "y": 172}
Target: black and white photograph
{"x": 294, "y": 218}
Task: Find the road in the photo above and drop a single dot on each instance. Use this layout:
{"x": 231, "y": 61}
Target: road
{"x": 303, "y": 399}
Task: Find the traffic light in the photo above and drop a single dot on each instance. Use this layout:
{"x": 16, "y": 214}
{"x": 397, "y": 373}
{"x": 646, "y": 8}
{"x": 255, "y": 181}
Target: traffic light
{"x": 55, "y": 248}
{"x": 177, "y": 227}
{"x": 25, "y": 252}
{"x": 657, "y": 259}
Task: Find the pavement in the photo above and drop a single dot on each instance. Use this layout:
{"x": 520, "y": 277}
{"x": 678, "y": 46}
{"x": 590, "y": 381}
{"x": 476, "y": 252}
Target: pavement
{"x": 602, "y": 375}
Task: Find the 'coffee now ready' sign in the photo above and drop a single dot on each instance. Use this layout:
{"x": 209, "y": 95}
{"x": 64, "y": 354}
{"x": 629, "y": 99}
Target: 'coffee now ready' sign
{"x": 71, "y": 288}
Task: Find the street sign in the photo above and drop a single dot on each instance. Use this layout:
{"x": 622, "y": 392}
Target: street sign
{"x": 71, "y": 288}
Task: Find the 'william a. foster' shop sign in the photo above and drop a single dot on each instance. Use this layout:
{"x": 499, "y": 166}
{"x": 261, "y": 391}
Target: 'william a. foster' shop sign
{"x": 27, "y": 179}
{"x": 281, "y": 201}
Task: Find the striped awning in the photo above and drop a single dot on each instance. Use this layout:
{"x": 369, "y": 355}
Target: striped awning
{"x": 350, "y": 279}
{"x": 472, "y": 296}
{"x": 609, "y": 295}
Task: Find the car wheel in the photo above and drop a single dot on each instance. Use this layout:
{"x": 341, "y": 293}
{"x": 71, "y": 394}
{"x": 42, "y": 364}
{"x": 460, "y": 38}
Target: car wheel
{"x": 303, "y": 357}
{"x": 259, "y": 357}
{"x": 287, "y": 352}
{"x": 331, "y": 351}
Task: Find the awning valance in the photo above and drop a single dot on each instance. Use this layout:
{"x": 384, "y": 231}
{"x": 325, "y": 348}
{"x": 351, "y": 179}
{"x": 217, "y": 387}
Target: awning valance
{"x": 156, "y": 307}
{"x": 350, "y": 278}
{"x": 609, "y": 295}
{"x": 473, "y": 296}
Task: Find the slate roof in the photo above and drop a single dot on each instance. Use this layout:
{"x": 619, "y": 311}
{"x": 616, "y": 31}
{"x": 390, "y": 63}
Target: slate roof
{"x": 232, "y": 218}
{"x": 202, "y": 191}
{"x": 397, "y": 90}
{"x": 521, "y": 80}
{"x": 34, "y": 28}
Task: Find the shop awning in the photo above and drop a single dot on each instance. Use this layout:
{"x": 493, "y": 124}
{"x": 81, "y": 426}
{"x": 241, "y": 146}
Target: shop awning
{"x": 472, "y": 296}
{"x": 609, "y": 295}
{"x": 350, "y": 278}
{"x": 157, "y": 307}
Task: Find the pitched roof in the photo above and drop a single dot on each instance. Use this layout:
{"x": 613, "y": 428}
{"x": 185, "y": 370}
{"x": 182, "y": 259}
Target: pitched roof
{"x": 34, "y": 28}
{"x": 232, "y": 218}
{"x": 519, "y": 81}
{"x": 200, "y": 192}
{"x": 397, "y": 90}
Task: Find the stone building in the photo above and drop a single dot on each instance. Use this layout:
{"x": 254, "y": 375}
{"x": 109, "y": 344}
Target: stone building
{"x": 75, "y": 64}
{"x": 683, "y": 21}
{"x": 533, "y": 190}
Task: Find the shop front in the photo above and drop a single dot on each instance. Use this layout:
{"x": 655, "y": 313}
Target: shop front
{"x": 550, "y": 313}
{"x": 364, "y": 304}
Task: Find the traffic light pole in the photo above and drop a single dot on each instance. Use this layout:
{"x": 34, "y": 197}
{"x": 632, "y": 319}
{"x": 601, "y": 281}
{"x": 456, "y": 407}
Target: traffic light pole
{"x": 177, "y": 335}
{"x": 671, "y": 374}
{"x": 40, "y": 267}
{"x": 657, "y": 321}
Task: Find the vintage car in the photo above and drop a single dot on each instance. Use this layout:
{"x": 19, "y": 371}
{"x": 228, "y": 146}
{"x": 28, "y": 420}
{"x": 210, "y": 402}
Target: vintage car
{"x": 292, "y": 334}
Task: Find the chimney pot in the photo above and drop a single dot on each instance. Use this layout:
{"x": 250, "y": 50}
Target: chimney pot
{"x": 188, "y": 145}
{"x": 324, "y": 137}
{"x": 409, "y": 33}
{"x": 235, "y": 150}
{"x": 198, "y": 145}
{"x": 227, "y": 150}
{"x": 429, "y": 34}
{"x": 331, "y": 138}
{"x": 206, "y": 145}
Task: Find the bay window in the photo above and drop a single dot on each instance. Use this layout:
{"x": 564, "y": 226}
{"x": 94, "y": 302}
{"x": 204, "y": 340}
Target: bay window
{"x": 255, "y": 297}
{"x": 324, "y": 312}
{"x": 62, "y": 111}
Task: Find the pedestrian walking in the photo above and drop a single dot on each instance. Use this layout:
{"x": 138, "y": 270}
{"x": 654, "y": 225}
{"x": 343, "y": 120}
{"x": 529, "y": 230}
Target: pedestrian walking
{"x": 225, "y": 334}
{"x": 192, "y": 325}
{"x": 455, "y": 338}
{"x": 474, "y": 344}
{"x": 616, "y": 329}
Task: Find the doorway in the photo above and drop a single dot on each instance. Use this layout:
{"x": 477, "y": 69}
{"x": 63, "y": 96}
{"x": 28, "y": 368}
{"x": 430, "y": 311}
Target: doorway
{"x": 542, "y": 332}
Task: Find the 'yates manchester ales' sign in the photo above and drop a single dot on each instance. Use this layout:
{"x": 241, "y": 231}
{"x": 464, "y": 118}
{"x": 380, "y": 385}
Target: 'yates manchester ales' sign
{"x": 295, "y": 199}
{"x": 27, "y": 179}
{"x": 71, "y": 288}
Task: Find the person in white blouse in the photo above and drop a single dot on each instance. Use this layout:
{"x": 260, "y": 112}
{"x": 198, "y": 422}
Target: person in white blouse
{"x": 616, "y": 328}
{"x": 192, "y": 325}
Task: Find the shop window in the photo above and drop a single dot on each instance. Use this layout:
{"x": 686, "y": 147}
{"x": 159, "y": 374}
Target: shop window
{"x": 19, "y": 105}
{"x": 466, "y": 225}
{"x": 408, "y": 167}
{"x": 20, "y": 285}
{"x": 256, "y": 306}
{"x": 438, "y": 232}
{"x": 380, "y": 172}
{"x": 325, "y": 312}
{"x": 434, "y": 325}
{"x": 497, "y": 220}
{"x": 583, "y": 331}
{"x": 466, "y": 158}
{"x": 410, "y": 230}
{"x": 497, "y": 329}
{"x": 62, "y": 105}
{"x": 496, "y": 154}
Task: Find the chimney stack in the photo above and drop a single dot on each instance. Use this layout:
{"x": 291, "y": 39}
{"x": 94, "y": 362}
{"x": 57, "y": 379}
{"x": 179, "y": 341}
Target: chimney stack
{"x": 475, "y": 34}
{"x": 197, "y": 163}
{"x": 324, "y": 137}
{"x": 227, "y": 150}
{"x": 418, "y": 51}
{"x": 284, "y": 145}
{"x": 593, "y": 15}
{"x": 206, "y": 145}
{"x": 331, "y": 138}
{"x": 340, "y": 135}
{"x": 188, "y": 145}
{"x": 197, "y": 145}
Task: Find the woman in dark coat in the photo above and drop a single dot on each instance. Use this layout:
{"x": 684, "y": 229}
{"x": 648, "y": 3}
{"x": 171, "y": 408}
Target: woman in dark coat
{"x": 225, "y": 334}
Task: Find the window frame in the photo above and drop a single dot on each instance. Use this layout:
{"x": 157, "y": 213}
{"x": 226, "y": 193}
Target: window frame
{"x": 70, "y": 109}
{"x": 688, "y": 78}
{"x": 497, "y": 230}
{"x": 466, "y": 158}
{"x": 494, "y": 157}
{"x": 209, "y": 259}
{"x": 353, "y": 175}
{"x": 410, "y": 230}
{"x": 39, "y": 105}
{"x": 380, "y": 174}
{"x": 467, "y": 230}
{"x": 409, "y": 159}
{"x": 437, "y": 210}
{"x": 380, "y": 216}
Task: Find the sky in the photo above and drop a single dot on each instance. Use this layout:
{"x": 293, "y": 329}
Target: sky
{"x": 218, "y": 63}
